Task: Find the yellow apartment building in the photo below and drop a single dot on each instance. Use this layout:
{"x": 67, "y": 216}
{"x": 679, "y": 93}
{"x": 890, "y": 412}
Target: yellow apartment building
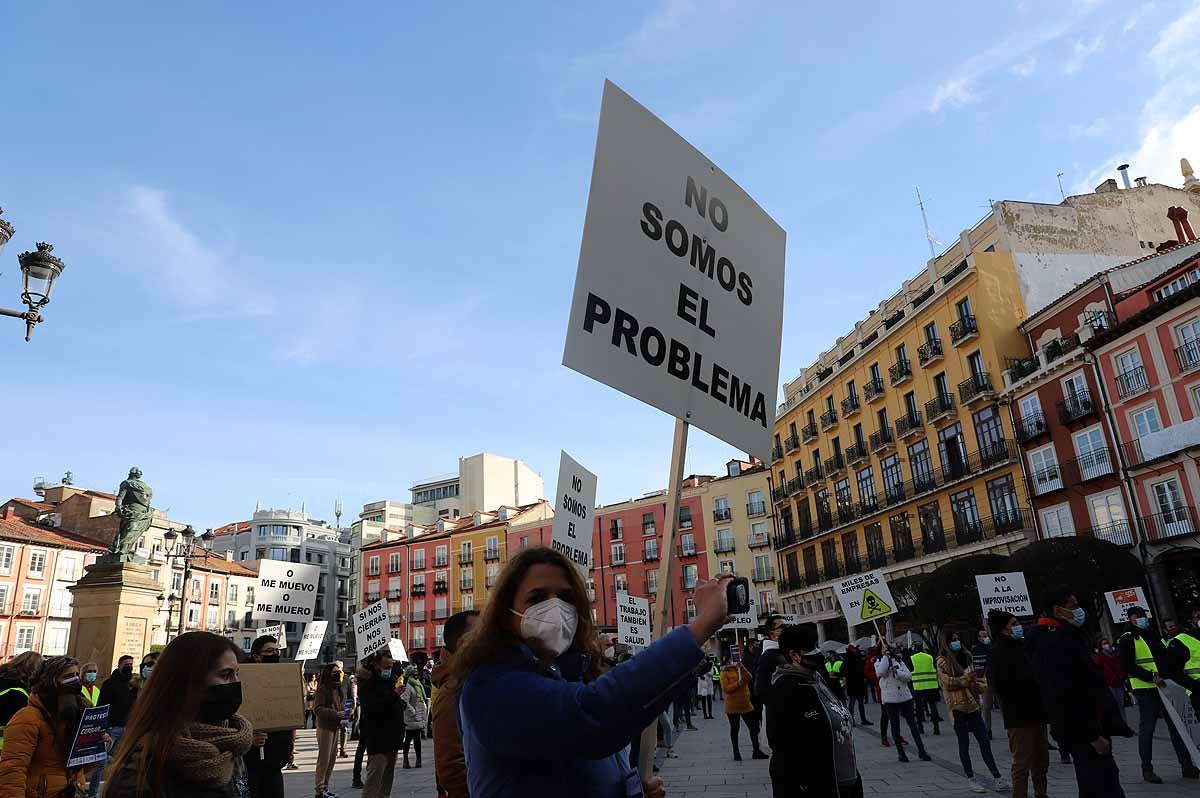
{"x": 891, "y": 451}
{"x": 738, "y": 509}
{"x": 479, "y": 550}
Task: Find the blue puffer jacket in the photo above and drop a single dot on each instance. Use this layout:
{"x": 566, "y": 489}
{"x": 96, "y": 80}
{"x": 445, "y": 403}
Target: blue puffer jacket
{"x": 526, "y": 733}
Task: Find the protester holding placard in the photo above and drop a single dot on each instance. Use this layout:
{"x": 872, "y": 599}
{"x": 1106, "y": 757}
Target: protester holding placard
{"x": 538, "y": 718}
{"x": 962, "y": 686}
{"x": 37, "y": 741}
{"x": 383, "y": 719}
{"x": 272, "y": 750}
{"x": 327, "y": 712}
{"x": 195, "y": 749}
{"x": 895, "y": 693}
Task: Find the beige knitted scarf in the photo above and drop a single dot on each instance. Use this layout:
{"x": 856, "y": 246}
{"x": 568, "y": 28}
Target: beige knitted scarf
{"x": 205, "y": 754}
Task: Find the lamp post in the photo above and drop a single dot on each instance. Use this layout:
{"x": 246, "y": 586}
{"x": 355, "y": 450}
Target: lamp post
{"x": 184, "y": 549}
{"x": 39, "y": 270}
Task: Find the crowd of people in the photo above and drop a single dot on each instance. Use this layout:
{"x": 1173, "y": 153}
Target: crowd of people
{"x": 527, "y": 700}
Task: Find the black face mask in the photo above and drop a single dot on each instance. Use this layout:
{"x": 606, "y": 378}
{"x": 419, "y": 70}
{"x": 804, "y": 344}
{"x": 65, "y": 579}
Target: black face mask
{"x": 127, "y": 672}
{"x": 272, "y": 659}
{"x": 220, "y": 703}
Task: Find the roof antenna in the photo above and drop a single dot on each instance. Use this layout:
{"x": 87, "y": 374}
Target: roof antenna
{"x": 925, "y": 220}
{"x": 1060, "y": 188}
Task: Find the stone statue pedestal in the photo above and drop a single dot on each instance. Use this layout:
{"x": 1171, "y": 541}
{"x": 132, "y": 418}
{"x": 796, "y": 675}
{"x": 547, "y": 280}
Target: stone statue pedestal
{"x": 115, "y": 608}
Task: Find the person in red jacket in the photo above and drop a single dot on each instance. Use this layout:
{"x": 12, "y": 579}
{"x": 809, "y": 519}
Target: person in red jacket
{"x": 1114, "y": 676}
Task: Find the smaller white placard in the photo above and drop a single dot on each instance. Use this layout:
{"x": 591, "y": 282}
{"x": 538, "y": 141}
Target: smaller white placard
{"x": 397, "y": 649}
{"x": 1119, "y": 601}
{"x": 633, "y": 621}
{"x": 574, "y": 505}
{"x": 372, "y": 630}
{"x": 1007, "y": 592}
{"x": 865, "y": 597}
{"x": 275, "y": 630}
{"x": 311, "y": 640}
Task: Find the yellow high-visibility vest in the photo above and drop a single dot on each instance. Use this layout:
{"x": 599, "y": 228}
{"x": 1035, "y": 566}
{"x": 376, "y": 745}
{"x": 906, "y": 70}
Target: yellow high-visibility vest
{"x": 91, "y": 695}
{"x": 924, "y": 672}
{"x": 21, "y": 690}
{"x": 1143, "y": 657}
{"x": 1192, "y": 666}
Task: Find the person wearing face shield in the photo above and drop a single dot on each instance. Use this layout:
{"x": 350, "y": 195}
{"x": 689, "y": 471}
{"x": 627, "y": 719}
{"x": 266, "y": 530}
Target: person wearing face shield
{"x": 38, "y": 739}
{"x": 810, "y": 731}
{"x": 537, "y": 717}
{"x": 1142, "y": 658}
{"x": 195, "y": 749}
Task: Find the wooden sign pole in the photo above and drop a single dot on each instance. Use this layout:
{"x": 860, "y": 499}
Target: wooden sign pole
{"x": 666, "y": 570}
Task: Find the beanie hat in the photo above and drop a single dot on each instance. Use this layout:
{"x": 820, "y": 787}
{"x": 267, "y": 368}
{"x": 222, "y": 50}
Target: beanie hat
{"x": 998, "y": 621}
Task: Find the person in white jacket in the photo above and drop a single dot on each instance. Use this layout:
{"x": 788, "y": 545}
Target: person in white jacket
{"x": 895, "y": 689}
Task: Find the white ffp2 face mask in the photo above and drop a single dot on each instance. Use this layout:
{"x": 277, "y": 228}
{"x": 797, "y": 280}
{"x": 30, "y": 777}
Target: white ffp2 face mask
{"x": 552, "y": 623}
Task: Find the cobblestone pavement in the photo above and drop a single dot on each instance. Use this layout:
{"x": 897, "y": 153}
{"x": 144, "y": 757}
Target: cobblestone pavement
{"x": 704, "y": 767}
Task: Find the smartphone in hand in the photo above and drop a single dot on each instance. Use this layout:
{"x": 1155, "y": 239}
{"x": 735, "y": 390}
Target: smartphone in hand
{"x": 738, "y": 594}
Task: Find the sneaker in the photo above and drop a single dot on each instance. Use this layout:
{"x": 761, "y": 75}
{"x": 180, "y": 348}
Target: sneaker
{"x": 925, "y": 757}
{"x": 903, "y": 756}
{"x": 329, "y": 794}
{"x": 291, "y": 766}
{"x": 760, "y": 755}
{"x": 885, "y": 741}
{"x": 356, "y": 784}
{"x": 1150, "y": 777}
{"x": 690, "y": 727}
{"x": 1001, "y": 784}
{"x": 974, "y": 785}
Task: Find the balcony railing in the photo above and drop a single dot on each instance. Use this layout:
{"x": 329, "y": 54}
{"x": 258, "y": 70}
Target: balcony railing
{"x": 853, "y": 565}
{"x": 466, "y": 558}
{"x": 441, "y": 612}
{"x": 1047, "y": 479}
{"x": 760, "y": 574}
{"x": 939, "y": 407}
{"x": 850, "y": 406}
{"x": 1118, "y": 532}
{"x": 686, "y": 551}
{"x": 416, "y": 615}
{"x": 1032, "y": 427}
{"x": 722, "y": 514}
{"x": 1132, "y": 382}
{"x": 882, "y": 440}
{"x": 1173, "y": 523}
{"x": 777, "y": 452}
{"x": 1056, "y": 349}
{"x": 795, "y": 485}
{"x": 1101, "y": 320}
{"x": 1076, "y": 407}
{"x": 651, "y": 587}
{"x": 441, "y": 587}
{"x": 791, "y": 443}
{"x": 441, "y": 562}
{"x": 372, "y": 598}
{"x": 724, "y": 545}
{"x": 834, "y": 465}
{"x": 909, "y": 424}
{"x": 1188, "y": 355}
{"x": 856, "y": 453}
{"x": 650, "y": 555}
{"x": 418, "y": 590}
{"x": 1021, "y": 367}
{"x": 809, "y": 432}
{"x": 814, "y": 475}
{"x": 873, "y": 390}
{"x": 756, "y": 541}
{"x": 963, "y": 329}
{"x": 754, "y": 509}
{"x": 900, "y": 372}
{"x": 1096, "y": 463}
{"x": 929, "y": 352}
{"x": 398, "y": 593}
{"x": 466, "y": 584}
{"x": 491, "y": 554}
{"x": 978, "y": 386}
{"x": 829, "y": 420}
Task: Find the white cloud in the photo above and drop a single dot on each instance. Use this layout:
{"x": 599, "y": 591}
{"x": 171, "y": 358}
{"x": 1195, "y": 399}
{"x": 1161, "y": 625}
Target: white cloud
{"x": 954, "y": 93}
{"x": 1026, "y": 68}
{"x": 1094, "y": 129}
{"x": 1081, "y": 52}
{"x": 1174, "y": 47}
{"x": 186, "y": 267}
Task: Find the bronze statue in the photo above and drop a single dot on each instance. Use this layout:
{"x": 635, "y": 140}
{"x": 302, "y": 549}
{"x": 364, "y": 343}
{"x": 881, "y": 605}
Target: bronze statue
{"x": 135, "y": 512}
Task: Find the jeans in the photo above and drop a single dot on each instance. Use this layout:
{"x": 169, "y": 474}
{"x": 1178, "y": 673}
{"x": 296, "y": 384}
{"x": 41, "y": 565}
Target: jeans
{"x": 683, "y": 710}
{"x": 381, "y": 770}
{"x": 926, "y": 704}
{"x": 412, "y": 736}
{"x": 706, "y": 705}
{"x": 862, "y": 710}
{"x": 1097, "y": 775}
{"x": 1149, "y": 703}
{"x": 966, "y": 724}
{"x": 1030, "y": 756}
{"x": 735, "y": 723}
{"x": 884, "y": 722}
{"x": 904, "y": 709}
{"x": 326, "y": 756}
{"x": 94, "y": 780}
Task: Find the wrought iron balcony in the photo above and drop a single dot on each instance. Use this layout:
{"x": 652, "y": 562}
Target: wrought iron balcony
{"x": 724, "y": 545}
{"x": 928, "y": 352}
{"x": 1021, "y": 367}
{"x": 491, "y": 554}
{"x": 1177, "y": 522}
{"x": 939, "y": 407}
{"x": 873, "y": 390}
{"x": 757, "y": 541}
{"x": 829, "y": 420}
{"x": 900, "y": 372}
{"x": 834, "y": 465}
{"x": 909, "y": 424}
{"x": 795, "y": 485}
{"x": 1062, "y": 346}
{"x": 853, "y": 565}
{"x": 850, "y": 406}
{"x": 761, "y": 574}
{"x": 1101, "y": 320}
{"x": 777, "y": 452}
{"x": 722, "y": 514}
{"x": 808, "y": 432}
{"x": 651, "y": 554}
{"x": 1119, "y": 533}
{"x": 882, "y": 440}
{"x": 976, "y": 388}
{"x": 1076, "y": 407}
{"x": 814, "y": 475}
{"x": 791, "y": 443}
{"x": 1188, "y": 356}
{"x": 1096, "y": 463}
{"x": 686, "y": 551}
{"x": 964, "y": 329}
{"x": 856, "y": 453}
{"x": 754, "y": 509}
{"x": 466, "y": 558}
{"x": 1032, "y": 427}
{"x": 1047, "y": 480}
{"x": 441, "y": 587}
{"x": 1132, "y": 382}
{"x": 780, "y": 493}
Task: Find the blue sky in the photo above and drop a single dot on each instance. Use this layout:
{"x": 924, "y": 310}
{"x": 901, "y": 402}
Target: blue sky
{"x": 315, "y": 253}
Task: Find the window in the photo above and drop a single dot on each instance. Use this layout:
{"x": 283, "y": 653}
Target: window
{"x": 68, "y": 567}
{"x": 233, "y": 593}
{"x": 762, "y": 567}
{"x": 1093, "y": 453}
{"x": 1074, "y": 386}
{"x": 931, "y": 333}
{"x": 618, "y": 553}
{"x": 24, "y": 639}
{"x": 524, "y": 542}
{"x": 690, "y": 608}
{"x": 852, "y": 392}
{"x": 893, "y": 478}
{"x": 941, "y": 388}
{"x": 214, "y": 591}
{"x": 685, "y": 517}
{"x": 989, "y": 431}
{"x": 647, "y": 523}
{"x": 721, "y": 507}
{"x": 31, "y": 601}
{"x": 652, "y": 581}
{"x": 492, "y": 550}
{"x": 439, "y": 639}
{"x": 394, "y": 587}
{"x": 902, "y": 354}
{"x": 465, "y": 552}
{"x": 1145, "y": 421}
{"x": 910, "y": 404}
{"x": 933, "y": 537}
{"x": 1032, "y": 420}
{"x": 968, "y": 526}
{"x": 6, "y": 559}
{"x": 754, "y": 503}
{"x": 1131, "y": 377}
{"x": 418, "y": 560}
{"x": 690, "y": 575}
{"x": 621, "y": 583}
{"x": 441, "y": 556}
{"x": 876, "y": 374}
{"x": 952, "y": 448}
{"x": 176, "y": 581}
{"x": 418, "y": 583}
{"x": 963, "y": 308}
{"x": 1057, "y": 521}
{"x": 866, "y": 489}
{"x": 468, "y": 602}
{"x": 373, "y": 566}
{"x": 975, "y": 364}
{"x": 1109, "y": 521}
{"x": 211, "y": 619}
{"x": 687, "y": 543}
{"x": 395, "y": 611}
{"x": 758, "y": 532}
{"x": 724, "y": 539}
{"x": 921, "y": 463}
{"x": 37, "y": 563}
{"x": 1002, "y": 499}
{"x": 1178, "y": 284}
{"x": 616, "y": 529}
{"x": 1043, "y": 468}
{"x": 60, "y": 602}
{"x": 394, "y": 562}
{"x": 651, "y": 550}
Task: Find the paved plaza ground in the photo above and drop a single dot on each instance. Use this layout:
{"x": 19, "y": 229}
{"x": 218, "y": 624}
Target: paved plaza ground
{"x": 705, "y": 767}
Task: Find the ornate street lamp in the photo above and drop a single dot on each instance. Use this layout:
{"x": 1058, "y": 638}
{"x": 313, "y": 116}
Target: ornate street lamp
{"x": 39, "y": 270}
{"x": 184, "y": 551}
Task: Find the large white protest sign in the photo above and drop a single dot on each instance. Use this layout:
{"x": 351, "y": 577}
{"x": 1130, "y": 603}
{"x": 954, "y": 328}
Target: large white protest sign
{"x": 397, "y": 649}
{"x": 747, "y": 621}
{"x": 1007, "y": 592}
{"x": 679, "y": 293}
{"x": 275, "y": 630}
{"x": 286, "y": 591}
{"x": 310, "y": 642}
{"x": 1119, "y": 602}
{"x": 1178, "y": 706}
{"x": 865, "y": 597}
{"x": 372, "y": 630}
{"x": 633, "y": 621}
{"x": 574, "y": 506}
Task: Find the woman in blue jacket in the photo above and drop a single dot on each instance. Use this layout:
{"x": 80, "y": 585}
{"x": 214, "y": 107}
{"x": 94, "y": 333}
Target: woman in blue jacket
{"x": 536, "y": 715}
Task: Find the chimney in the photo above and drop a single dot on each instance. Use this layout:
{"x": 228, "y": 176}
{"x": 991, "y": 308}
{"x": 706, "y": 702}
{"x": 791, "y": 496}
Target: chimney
{"x": 9, "y": 513}
{"x": 1140, "y": 182}
{"x": 229, "y": 556}
{"x": 1107, "y": 186}
{"x": 1124, "y": 170}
